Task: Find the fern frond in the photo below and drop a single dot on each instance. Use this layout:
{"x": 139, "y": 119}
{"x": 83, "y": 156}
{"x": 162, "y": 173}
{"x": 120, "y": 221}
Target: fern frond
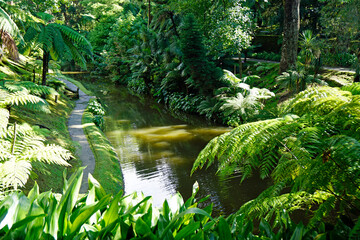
{"x": 324, "y": 209}
{"x": 20, "y": 98}
{"x": 14, "y": 173}
{"x": 51, "y": 154}
{"x": 33, "y": 88}
{"x": 4, "y": 117}
{"x": 353, "y": 88}
{"x": 21, "y": 153}
{"x": 8, "y": 25}
{"x": 245, "y": 145}
{"x": 270, "y": 206}
{"x": 305, "y": 101}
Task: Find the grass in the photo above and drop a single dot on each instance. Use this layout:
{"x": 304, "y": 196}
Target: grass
{"x": 54, "y": 127}
{"x": 107, "y": 167}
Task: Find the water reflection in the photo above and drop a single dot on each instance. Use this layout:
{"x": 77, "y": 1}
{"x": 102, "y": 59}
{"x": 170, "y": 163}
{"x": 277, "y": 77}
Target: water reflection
{"x": 157, "y": 152}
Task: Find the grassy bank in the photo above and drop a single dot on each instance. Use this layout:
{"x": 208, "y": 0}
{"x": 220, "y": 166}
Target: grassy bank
{"x": 107, "y": 167}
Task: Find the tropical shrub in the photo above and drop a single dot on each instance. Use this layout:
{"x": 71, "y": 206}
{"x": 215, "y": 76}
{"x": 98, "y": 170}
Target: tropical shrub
{"x": 98, "y": 112}
{"x": 236, "y": 104}
{"x": 310, "y": 151}
{"x": 96, "y": 108}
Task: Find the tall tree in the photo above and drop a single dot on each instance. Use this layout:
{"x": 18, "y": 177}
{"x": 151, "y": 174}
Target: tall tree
{"x": 290, "y": 34}
{"x": 57, "y": 41}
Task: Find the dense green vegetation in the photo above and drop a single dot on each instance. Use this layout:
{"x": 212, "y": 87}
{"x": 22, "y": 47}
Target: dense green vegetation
{"x": 292, "y": 122}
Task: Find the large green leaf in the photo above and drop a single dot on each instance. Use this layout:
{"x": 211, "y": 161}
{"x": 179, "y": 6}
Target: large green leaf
{"x": 85, "y": 214}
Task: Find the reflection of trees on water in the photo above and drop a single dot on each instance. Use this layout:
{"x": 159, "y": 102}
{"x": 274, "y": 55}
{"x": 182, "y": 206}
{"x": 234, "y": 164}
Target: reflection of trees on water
{"x": 157, "y": 152}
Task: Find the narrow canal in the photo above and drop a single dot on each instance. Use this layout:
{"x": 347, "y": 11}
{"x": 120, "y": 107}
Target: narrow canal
{"x": 157, "y": 152}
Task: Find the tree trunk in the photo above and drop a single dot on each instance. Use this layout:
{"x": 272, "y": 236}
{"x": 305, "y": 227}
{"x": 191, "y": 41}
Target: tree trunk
{"x": 149, "y": 13}
{"x": 46, "y": 57}
{"x": 290, "y": 35}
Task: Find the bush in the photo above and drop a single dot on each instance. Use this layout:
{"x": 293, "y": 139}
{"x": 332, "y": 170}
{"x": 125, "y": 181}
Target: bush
{"x": 182, "y": 102}
{"x": 267, "y": 56}
{"x": 343, "y": 59}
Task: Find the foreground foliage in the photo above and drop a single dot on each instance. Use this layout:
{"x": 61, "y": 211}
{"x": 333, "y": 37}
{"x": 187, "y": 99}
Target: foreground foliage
{"x": 97, "y": 215}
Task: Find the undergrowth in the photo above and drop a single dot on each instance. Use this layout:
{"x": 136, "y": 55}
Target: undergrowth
{"x": 54, "y": 126}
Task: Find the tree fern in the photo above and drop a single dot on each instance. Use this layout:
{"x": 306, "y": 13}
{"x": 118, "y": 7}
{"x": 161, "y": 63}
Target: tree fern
{"x": 316, "y": 150}
{"x": 57, "y": 41}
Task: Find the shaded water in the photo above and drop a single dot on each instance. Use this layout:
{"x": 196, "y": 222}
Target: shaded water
{"x": 157, "y": 152}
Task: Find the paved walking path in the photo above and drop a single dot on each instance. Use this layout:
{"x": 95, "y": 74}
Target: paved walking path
{"x": 340, "y": 69}
{"x": 77, "y": 134}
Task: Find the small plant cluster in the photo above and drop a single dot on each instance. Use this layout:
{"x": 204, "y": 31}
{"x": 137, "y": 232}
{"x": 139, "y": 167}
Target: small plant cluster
{"x": 97, "y": 215}
{"x": 98, "y": 112}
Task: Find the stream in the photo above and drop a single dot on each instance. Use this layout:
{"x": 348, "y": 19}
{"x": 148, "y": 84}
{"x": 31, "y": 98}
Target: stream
{"x": 157, "y": 151}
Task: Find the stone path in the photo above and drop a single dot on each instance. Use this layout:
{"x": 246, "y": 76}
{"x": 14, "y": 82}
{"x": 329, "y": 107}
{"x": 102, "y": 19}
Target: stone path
{"x": 77, "y": 134}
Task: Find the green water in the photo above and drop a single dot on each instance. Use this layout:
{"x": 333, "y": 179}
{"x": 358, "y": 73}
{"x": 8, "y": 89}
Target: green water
{"x": 157, "y": 152}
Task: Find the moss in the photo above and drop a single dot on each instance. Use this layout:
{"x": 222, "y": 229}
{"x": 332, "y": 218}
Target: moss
{"x": 107, "y": 167}
{"x": 54, "y": 127}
